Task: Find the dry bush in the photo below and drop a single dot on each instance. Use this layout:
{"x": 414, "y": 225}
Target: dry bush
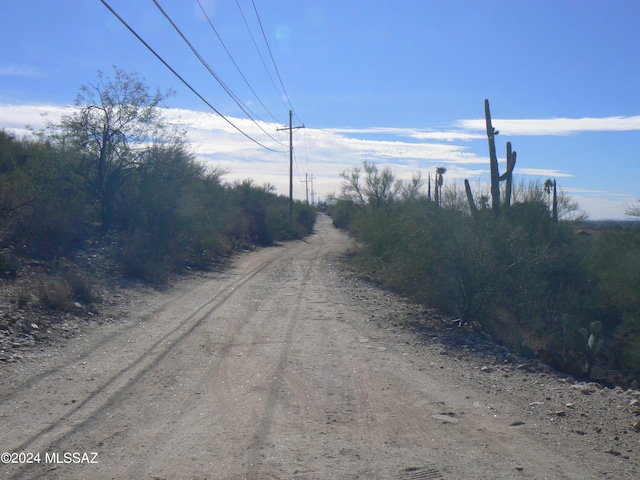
{"x": 23, "y": 297}
{"x": 55, "y": 294}
{"x": 82, "y": 288}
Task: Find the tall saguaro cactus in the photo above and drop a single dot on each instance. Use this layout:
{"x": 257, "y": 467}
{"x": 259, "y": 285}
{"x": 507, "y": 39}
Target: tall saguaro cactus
{"x": 496, "y": 178}
{"x": 440, "y": 171}
{"x": 493, "y": 159}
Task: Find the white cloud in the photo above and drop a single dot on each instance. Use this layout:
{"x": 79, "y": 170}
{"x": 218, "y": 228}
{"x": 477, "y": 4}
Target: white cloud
{"x": 555, "y": 126}
{"x": 16, "y": 117}
{"x": 322, "y": 152}
{"x": 418, "y": 134}
{"x": 582, "y": 191}
{"x": 542, "y": 172}
{"x": 449, "y": 136}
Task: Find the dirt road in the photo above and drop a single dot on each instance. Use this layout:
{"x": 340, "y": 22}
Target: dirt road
{"x": 283, "y": 368}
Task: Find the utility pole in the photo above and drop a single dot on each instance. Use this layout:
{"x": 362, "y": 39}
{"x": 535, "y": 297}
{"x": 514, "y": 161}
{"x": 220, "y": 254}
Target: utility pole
{"x": 313, "y": 192}
{"x": 306, "y": 182}
{"x": 291, "y": 128}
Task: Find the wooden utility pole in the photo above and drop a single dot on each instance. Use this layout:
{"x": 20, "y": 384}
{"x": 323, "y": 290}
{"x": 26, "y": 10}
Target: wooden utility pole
{"x": 308, "y": 180}
{"x": 313, "y": 192}
{"x": 291, "y": 128}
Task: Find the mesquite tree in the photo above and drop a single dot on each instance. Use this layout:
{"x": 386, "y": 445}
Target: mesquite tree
{"x": 377, "y": 188}
{"x": 115, "y": 125}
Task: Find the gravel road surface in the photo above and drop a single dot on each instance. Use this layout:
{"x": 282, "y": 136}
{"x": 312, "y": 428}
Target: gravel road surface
{"x": 287, "y": 366}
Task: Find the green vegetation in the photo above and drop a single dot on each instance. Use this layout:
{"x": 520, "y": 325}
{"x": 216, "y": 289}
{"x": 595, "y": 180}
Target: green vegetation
{"x": 114, "y": 174}
{"x": 526, "y": 272}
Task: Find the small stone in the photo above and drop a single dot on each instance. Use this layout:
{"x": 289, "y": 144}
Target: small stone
{"x": 585, "y": 389}
{"x": 510, "y": 358}
{"x": 445, "y": 419}
{"x": 636, "y": 426}
{"x": 611, "y": 451}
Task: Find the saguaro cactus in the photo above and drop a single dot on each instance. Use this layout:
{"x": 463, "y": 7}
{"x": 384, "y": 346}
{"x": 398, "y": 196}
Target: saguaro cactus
{"x": 508, "y": 175}
{"x": 493, "y": 158}
{"x": 440, "y": 171}
{"x": 554, "y": 207}
{"x": 496, "y": 178}
{"x": 472, "y": 204}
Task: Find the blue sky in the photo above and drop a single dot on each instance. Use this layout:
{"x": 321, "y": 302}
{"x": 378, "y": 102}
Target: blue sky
{"x": 401, "y": 83}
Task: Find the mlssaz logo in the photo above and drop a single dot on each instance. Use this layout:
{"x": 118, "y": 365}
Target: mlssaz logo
{"x": 71, "y": 457}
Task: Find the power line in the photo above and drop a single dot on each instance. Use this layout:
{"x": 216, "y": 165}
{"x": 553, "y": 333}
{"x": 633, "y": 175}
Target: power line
{"x": 234, "y": 97}
{"x": 255, "y": 44}
{"x": 237, "y": 66}
{"x": 272, "y": 59}
{"x": 104, "y": 2}
{"x": 296, "y": 166}
{"x": 306, "y": 154}
{"x": 234, "y": 62}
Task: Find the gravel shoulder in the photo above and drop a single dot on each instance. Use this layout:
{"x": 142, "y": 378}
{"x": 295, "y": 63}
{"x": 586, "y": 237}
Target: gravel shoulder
{"x": 288, "y": 365}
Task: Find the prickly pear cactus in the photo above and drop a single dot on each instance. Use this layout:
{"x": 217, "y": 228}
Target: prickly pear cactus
{"x": 575, "y": 347}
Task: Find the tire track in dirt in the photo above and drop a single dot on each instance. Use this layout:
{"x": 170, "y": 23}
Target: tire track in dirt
{"x": 239, "y": 379}
{"x": 258, "y": 443}
{"x": 104, "y": 340}
{"x": 112, "y": 391}
{"x": 225, "y": 388}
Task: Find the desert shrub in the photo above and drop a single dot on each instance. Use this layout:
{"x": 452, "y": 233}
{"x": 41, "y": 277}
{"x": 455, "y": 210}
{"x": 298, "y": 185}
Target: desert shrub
{"x": 23, "y": 297}
{"x": 613, "y": 259}
{"x": 55, "y": 294}
{"x": 9, "y": 263}
{"x": 342, "y": 213}
{"x": 305, "y": 219}
{"x": 264, "y": 216}
{"x": 42, "y": 206}
{"x": 530, "y": 281}
{"x": 167, "y": 216}
{"x": 144, "y": 257}
{"x": 82, "y": 289}
{"x": 61, "y": 291}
